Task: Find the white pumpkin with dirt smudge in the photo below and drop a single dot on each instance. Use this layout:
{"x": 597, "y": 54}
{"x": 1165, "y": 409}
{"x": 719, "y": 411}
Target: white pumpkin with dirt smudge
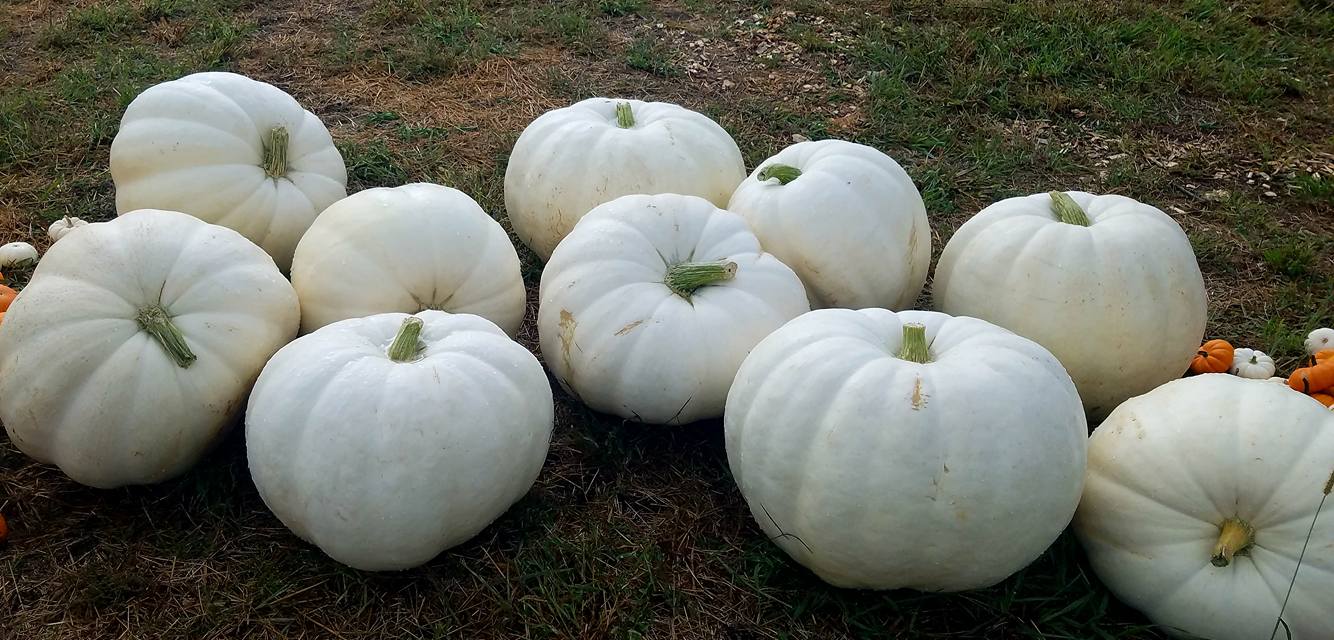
{"x": 913, "y": 450}
{"x": 407, "y": 249}
{"x": 132, "y": 348}
{"x": 650, "y": 304}
{"x": 1199, "y": 499}
{"x": 846, "y": 218}
{"x": 388, "y": 439}
{"x": 1107, "y": 284}
{"x": 573, "y": 159}
{"x": 231, "y": 151}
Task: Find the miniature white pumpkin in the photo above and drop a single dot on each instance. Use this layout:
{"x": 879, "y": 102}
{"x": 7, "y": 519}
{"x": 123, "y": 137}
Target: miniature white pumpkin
{"x": 570, "y": 160}
{"x": 846, "y": 218}
{"x": 387, "y": 439}
{"x": 132, "y": 348}
{"x": 407, "y": 249}
{"x": 231, "y": 151}
{"x": 916, "y": 450}
{"x": 1109, "y": 285}
{"x": 61, "y": 228}
{"x": 1320, "y": 340}
{"x": 1199, "y": 497}
{"x": 1250, "y": 363}
{"x": 650, "y": 304}
{"x": 17, "y": 255}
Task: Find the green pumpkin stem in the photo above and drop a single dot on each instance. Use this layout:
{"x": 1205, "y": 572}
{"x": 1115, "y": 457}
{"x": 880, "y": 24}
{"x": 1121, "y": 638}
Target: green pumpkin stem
{"x": 275, "y": 153}
{"x": 684, "y": 278}
{"x": 1234, "y": 537}
{"x": 784, "y": 173}
{"x": 914, "y": 347}
{"x": 625, "y": 118}
{"x": 1067, "y": 210}
{"x": 407, "y": 344}
{"x": 158, "y": 324}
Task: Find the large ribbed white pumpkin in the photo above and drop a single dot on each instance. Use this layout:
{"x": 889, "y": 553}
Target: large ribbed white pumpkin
{"x": 942, "y": 456}
{"x": 573, "y": 159}
{"x": 650, "y": 304}
{"x": 846, "y": 218}
{"x": 388, "y": 439}
{"x": 231, "y": 151}
{"x": 1198, "y": 499}
{"x": 1107, "y": 284}
{"x": 134, "y": 345}
{"x": 411, "y": 248}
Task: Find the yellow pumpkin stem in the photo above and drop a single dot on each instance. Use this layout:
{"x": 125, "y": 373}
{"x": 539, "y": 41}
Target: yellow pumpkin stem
{"x": 275, "y": 153}
{"x": 407, "y": 343}
{"x": 914, "y": 348}
{"x": 157, "y": 323}
{"x": 625, "y": 118}
{"x": 1234, "y": 537}
{"x": 684, "y": 278}
{"x": 1067, "y": 210}
{"x": 784, "y": 173}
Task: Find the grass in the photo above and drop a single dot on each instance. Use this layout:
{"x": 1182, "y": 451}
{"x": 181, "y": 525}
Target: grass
{"x": 1200, "y": 107}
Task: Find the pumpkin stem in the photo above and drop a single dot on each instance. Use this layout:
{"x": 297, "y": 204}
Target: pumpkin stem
{"x": 1067, "y": 210}
{"x": 407, "y": 344}
{"x": 625, "y": 118}
{"x": 158, "y": 324}
{"x": 1234, "y": 537}
{"x": 784, "y": 173}
{"x": 275, "y": 153}
{"x": 914, "y": 347}
{"x": 685, "y": 277}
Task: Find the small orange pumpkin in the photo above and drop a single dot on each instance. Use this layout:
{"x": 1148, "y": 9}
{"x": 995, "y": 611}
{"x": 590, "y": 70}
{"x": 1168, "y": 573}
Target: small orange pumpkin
{"x": 1214, "y": 356}
{"x": 1324, "y": 398}
{"x": 7, "y": 296}
{"x": 1315, "y": 379}
{"x": 1319, "y": 357}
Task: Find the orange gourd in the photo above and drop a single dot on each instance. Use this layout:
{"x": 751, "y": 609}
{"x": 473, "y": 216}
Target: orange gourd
{"x": 1314, "y": 379}
{"x": 1319, "y": 357}
{"x": 1214, "y": 356}
{"x": 7, "y": 296}
{"x": 1324, "y": 398}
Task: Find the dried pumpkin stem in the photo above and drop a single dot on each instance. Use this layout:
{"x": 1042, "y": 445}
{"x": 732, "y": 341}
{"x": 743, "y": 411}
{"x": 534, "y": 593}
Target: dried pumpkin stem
{"x": 784, "y": 173}
{"x": 625, "y": 118}
{"x": 1234, "y": 537}
{"x": 684, "y": 278}
{"x": 275, "y": 153}
{"x": 158, "y": 324}
{"x": 1067, "y": 210}
{"x": 407, "y": 343}
{"x": 914, "y": 347}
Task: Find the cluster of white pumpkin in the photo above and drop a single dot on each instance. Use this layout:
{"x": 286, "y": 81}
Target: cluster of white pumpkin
{"x": 880, "y": 447}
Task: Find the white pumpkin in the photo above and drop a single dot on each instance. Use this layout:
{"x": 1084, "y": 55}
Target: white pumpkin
{"x": 1250, "y": 363}
{"x": 61, "y": 228}
{"x": 570, "y": 160}
{"x": 1199, "y": 496}
{"x": 387, "y": 439}
{"x": 846, "y": 218}
{"x": 407, "y": 249}
{"x": 650, "y": 304}
{"x": 1320, "y": 340}
{"x": 132, "y": 348}
{"x": 916, "y": 450}
{"x": 1107, "y": 284}
{"x": 231, "y": 151}
{"x": 17, "y": 255}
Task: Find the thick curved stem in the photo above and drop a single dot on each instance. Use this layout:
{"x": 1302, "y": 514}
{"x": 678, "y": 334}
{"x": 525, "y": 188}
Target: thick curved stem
{"x": 625, "y": 118}
{"x": 407, "y": 343}
{"x": 784, "y": 173}
{"x": 1234, "y": 537}
{"x": 275, "y": 153}
{"x": 158, "y": 324}
{"x": 684, "y": 278}
{"x": 1067, "y": 210}
{"x": 914, "y": 347}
